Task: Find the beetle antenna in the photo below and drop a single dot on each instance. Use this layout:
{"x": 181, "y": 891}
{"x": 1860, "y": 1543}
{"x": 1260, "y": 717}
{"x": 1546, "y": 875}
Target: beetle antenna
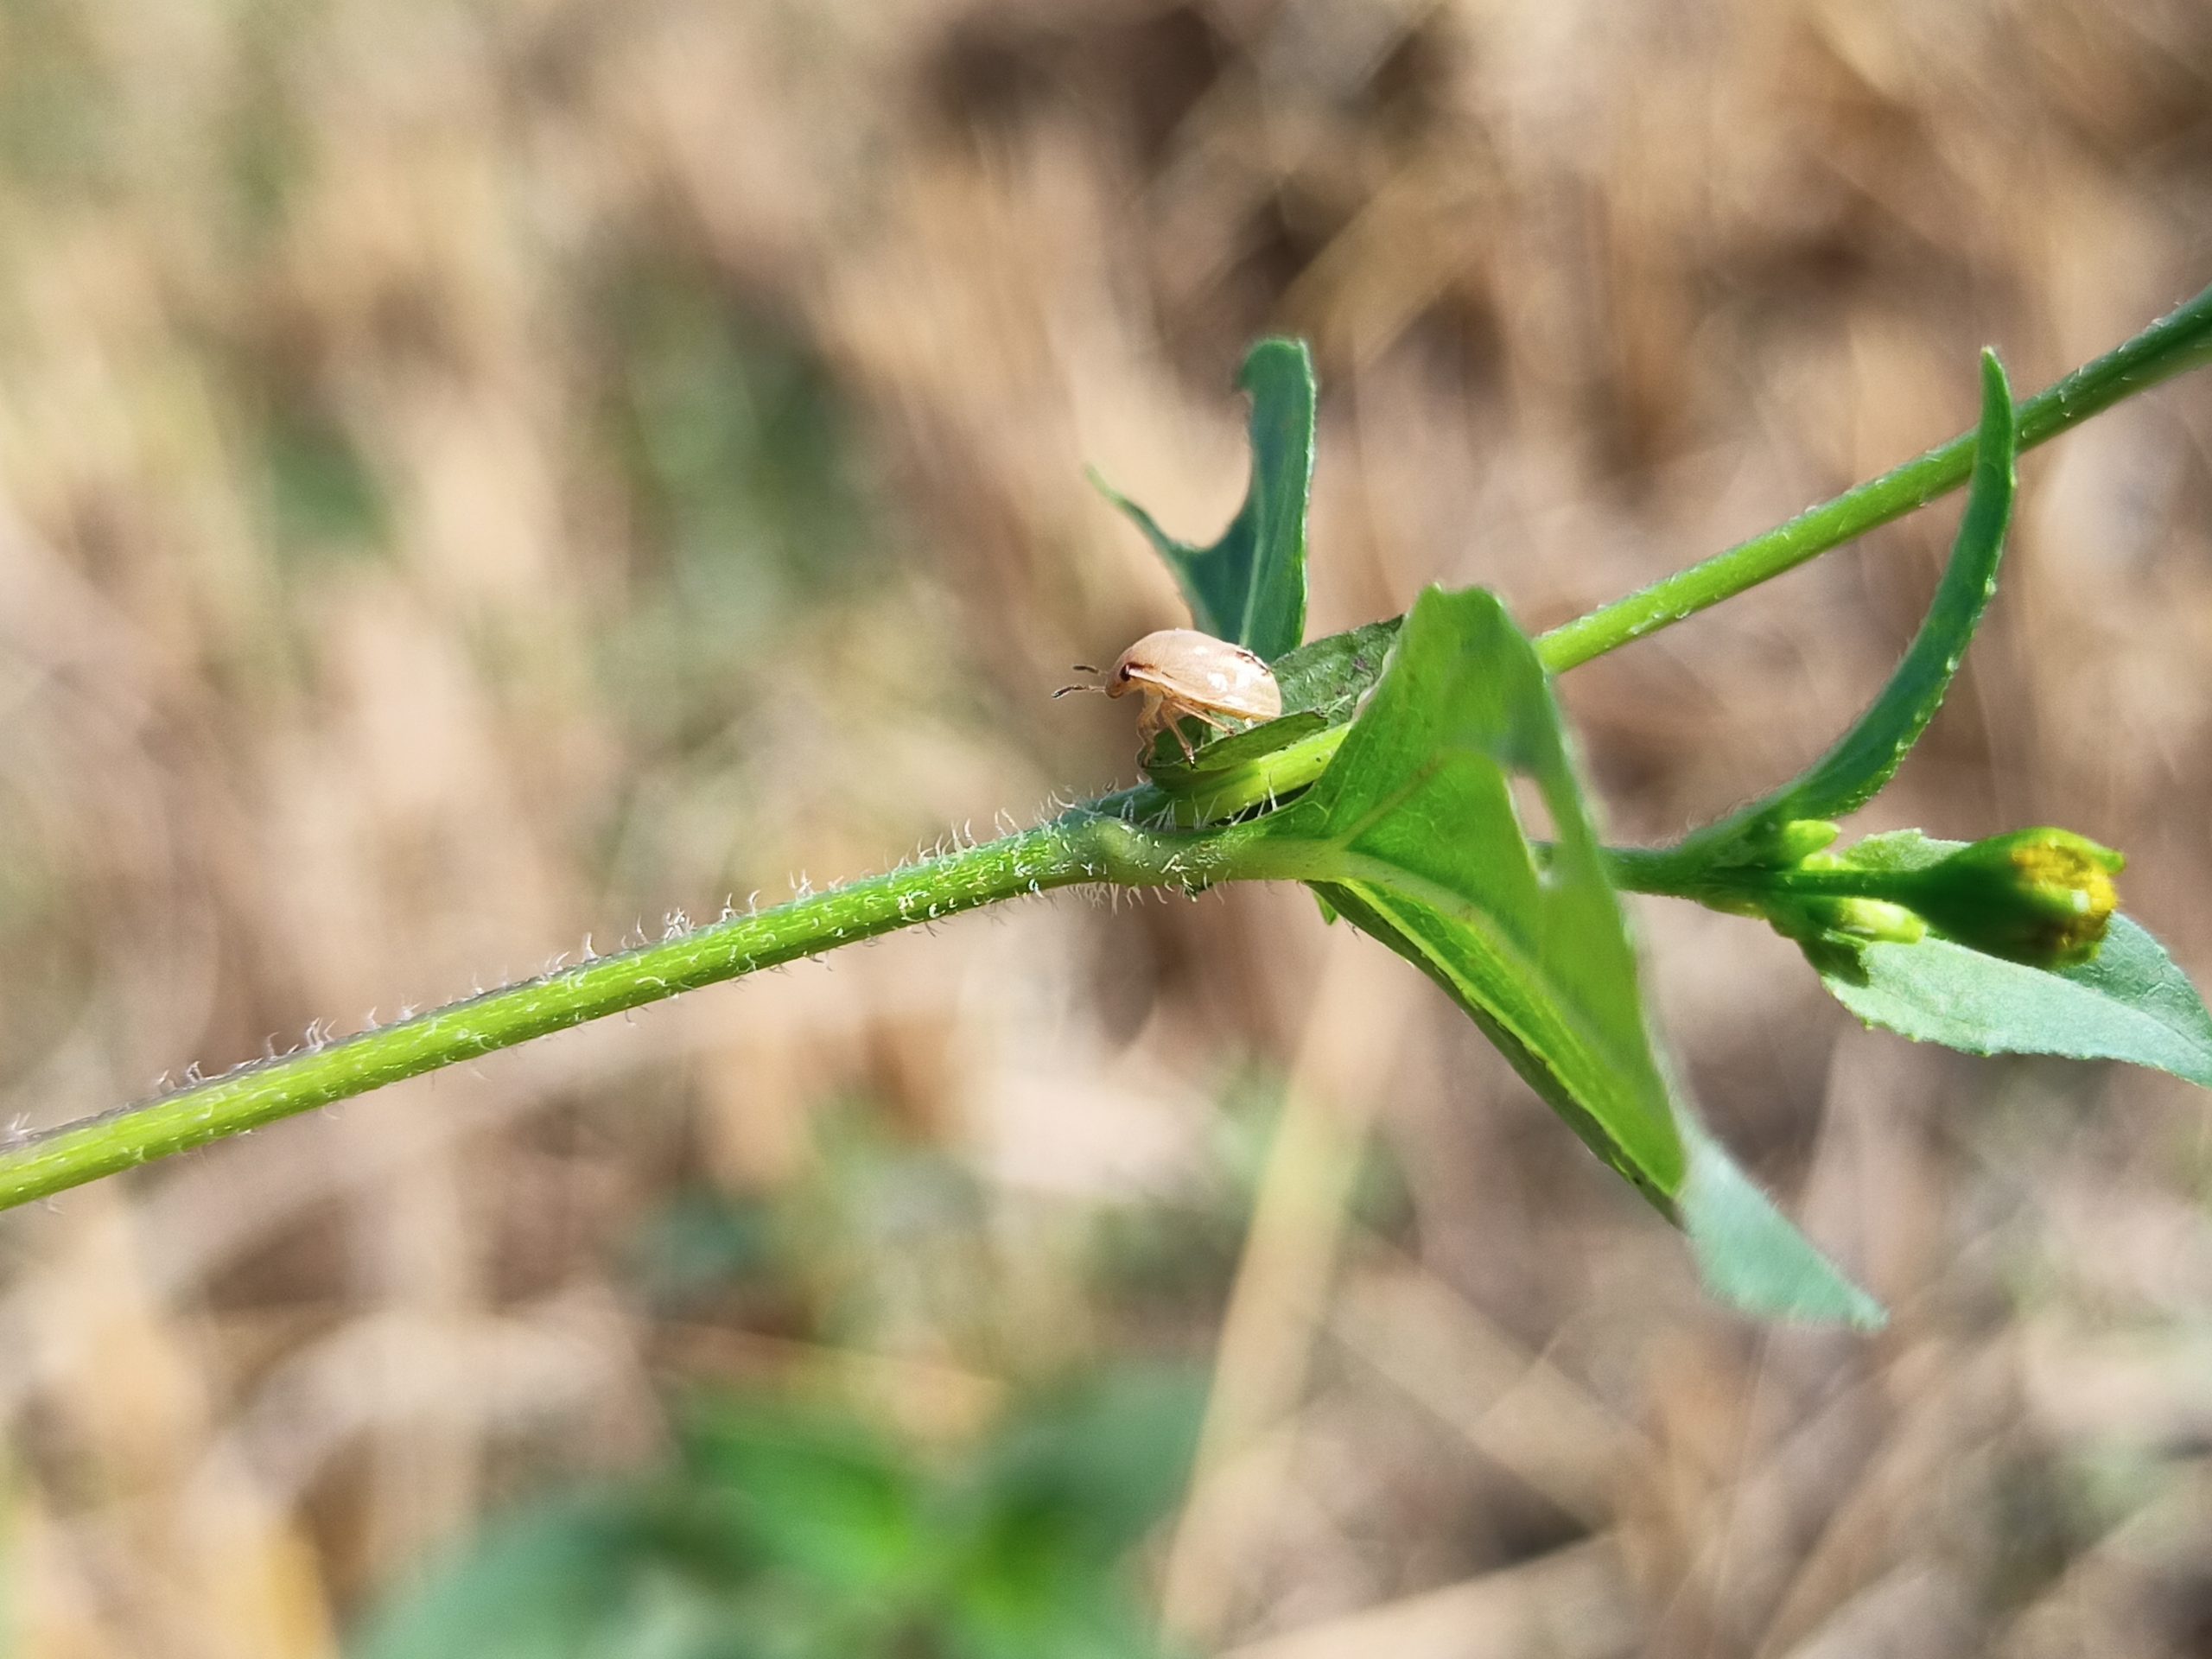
{"x": 1064, "y": 690}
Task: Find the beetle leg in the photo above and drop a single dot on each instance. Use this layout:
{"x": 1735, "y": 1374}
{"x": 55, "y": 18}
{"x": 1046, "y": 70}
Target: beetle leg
{"x": 1161, "y": 714}
{"x": 1206, "y": 717}
{"x": 1176, "y": 713}
{"x": 1148, "y": 722}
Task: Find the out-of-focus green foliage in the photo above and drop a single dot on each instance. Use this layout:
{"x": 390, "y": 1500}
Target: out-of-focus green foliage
{"x": 745, "y": 501}
{"x": 321, "y": 495}
{"x": 802, "y": 1532}
{"x": 787, "y": 1524}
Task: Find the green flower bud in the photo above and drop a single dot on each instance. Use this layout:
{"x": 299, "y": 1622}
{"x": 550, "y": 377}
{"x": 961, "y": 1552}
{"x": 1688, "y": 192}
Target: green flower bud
{"x": 1801, "y": 838}
{"x": 2040, "y": 896}
{"x": 1808, "y": 918}
{"x": 1874, "y": 921}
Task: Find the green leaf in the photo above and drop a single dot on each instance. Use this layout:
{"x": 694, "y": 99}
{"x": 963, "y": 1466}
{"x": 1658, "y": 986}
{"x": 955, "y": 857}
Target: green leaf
{"x": 1249, "y": 587}
{"x": 1751, "y": 1255}
{"x": 825, "y": 1494}
{"x": 1329, "y": 674}
{"x": 1868, "y": 756}
{"x": 1075, "y": 1479}
{"x": 1098, "y": 1462}
{"x": 585, "y": 1574}
{"x": 1237, "y": 749}
{"x": 1418, "y": 814}
{"x": 1413, "y": 835}
{"x": 2130, "y": 1003}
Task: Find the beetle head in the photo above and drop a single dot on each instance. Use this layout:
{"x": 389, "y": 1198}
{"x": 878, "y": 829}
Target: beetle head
{"x": 1126, "y": 675}
{"x": 1123, "y": 679}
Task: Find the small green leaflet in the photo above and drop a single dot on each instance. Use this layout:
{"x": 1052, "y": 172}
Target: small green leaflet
{"x": 1329, "y": 675}
{"x": 1413, "y": 835}
{"x": 1237, "y": 749}
{"x": 1868, "y": 756}
{"x": 1249, "y": 587}
{"x": 2130, "y": 1003}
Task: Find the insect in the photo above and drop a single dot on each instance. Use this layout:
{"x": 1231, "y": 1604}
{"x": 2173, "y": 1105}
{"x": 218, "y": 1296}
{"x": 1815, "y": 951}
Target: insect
{"x": 1182, "y": 673}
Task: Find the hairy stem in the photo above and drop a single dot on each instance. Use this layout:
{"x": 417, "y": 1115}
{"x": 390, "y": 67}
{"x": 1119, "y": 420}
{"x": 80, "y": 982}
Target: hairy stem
{"x": 1102, "y": 843}
{"x": 1078, "y": 847}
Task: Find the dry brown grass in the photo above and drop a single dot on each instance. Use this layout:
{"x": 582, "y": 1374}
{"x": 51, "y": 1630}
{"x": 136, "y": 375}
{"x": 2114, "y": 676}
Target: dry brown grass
{"x": 354, "y": 645}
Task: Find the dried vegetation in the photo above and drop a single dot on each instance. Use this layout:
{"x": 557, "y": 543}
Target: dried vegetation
{"x": 472, "y": 476}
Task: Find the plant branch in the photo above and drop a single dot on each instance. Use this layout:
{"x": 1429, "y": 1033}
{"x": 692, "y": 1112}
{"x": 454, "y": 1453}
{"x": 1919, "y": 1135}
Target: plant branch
{"x": 1082, "y": 846}
{"x": 2178, "y": 342}
{"x": 1104, "y": 841}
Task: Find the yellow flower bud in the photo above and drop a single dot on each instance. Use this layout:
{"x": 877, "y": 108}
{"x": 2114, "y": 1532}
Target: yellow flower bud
{"x": 2040, "y": 896}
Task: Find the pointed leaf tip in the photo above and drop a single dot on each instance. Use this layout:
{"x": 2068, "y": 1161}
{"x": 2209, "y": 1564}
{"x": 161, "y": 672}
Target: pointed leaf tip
{"x": 1752, "y": 1257}
{"x": 1250, "y": 586}
{"x": 1868, "y": 754}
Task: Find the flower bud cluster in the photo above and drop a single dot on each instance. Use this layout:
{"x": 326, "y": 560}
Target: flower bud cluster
{"x": 2041, "y": 896}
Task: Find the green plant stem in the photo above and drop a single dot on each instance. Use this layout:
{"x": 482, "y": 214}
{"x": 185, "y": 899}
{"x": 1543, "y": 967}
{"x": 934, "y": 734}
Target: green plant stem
{"x": 2178, "y": 342}
{"x": 1101, "y": 842}
{"x": 1083, "y": 846}
{"x": 1658, "y": 871}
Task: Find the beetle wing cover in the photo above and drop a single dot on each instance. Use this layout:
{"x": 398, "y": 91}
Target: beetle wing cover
{"x": 1200, "y": 671}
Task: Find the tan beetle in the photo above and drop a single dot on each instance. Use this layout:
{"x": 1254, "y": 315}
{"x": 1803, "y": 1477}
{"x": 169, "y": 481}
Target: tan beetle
{"x": 1180, "y": 672}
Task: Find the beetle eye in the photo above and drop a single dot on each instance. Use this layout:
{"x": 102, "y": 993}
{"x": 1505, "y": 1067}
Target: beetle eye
{"x": 1125, "y": 673}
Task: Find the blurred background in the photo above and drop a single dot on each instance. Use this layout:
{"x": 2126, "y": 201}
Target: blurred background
{"x": 475, "y": 477}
